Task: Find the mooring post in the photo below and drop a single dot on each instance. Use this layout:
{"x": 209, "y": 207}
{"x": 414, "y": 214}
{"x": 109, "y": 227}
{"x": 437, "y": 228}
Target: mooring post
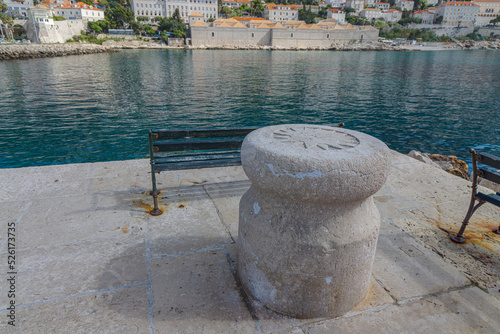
{"x": 308, "y": 226}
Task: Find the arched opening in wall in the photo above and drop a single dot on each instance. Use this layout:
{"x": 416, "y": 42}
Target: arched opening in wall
{"x": 327, "y": 35}
{"x": 291, "y": 34}
{"x": 213, "y": 34}
{"x": 253, "y": 35}
{"x": 361, "y": 36}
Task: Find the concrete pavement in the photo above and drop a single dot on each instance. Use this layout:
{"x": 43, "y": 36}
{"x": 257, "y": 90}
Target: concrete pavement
{"x": 89, "y": 258}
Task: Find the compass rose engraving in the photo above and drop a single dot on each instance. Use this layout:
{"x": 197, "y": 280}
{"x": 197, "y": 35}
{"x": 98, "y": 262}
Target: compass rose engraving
{"x": 317, "y": 138}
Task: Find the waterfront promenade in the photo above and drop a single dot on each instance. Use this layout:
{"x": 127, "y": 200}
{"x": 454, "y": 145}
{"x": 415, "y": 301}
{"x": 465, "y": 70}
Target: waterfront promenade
{"x": 90, "y": 259}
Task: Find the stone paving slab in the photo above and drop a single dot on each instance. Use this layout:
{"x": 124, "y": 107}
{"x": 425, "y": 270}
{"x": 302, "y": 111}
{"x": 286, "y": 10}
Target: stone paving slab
{"x": 55, "y": 272}
{"x": 407, "y": 269}
{"x": 118, "y": 311}
{"x": 197, "y": 293}
{"x": 468, "y": 310}
{"x": 187, "y": 224}
{"x": 39, "y": 182}
{"x": 90, "y": 259}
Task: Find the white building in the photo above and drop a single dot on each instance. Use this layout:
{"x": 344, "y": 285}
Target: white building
{"x": 78, "y": 11}
{"x": 235, "y": 3}
{"x": 383, "y": 5}
{"x": 370, "y": 3}
{"x": 371, "y": 13}
{"x": 281, "y": 13}
{"x": 337, "y": 14}
{"x": 392, "y": 15}
{"x": 405, "y": 5}
{"x": 357, "y": 5}
{"x": 488, "y": 10}
{"x": 18, "y": 9}
{"x": 40, "y": 14}
{"x": 337, "y": 3}
{"x": 166, "y": 8}
{"x": 458, "y": 13}
{"x": 426, "y": 16}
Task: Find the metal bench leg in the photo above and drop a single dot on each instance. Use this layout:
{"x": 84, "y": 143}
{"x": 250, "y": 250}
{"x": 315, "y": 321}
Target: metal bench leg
{"x": 156, "y": 210}
{"x": 459, "y": 238}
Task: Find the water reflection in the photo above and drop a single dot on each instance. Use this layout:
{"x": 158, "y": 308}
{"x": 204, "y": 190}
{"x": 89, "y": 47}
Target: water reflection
{"x": 99, "y": 107}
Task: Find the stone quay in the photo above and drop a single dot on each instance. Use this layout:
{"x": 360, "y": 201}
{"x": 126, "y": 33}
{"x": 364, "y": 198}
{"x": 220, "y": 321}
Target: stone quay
{"x": 308, "y": 225}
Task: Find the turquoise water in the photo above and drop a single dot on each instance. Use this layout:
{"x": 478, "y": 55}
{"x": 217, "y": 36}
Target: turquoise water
{"x": 100, "y": 107}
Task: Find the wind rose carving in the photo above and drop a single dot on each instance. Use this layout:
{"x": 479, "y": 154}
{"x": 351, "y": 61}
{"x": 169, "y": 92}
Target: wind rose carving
{"x": 317, "y": 138}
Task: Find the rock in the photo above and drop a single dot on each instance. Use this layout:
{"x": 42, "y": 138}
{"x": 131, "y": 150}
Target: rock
{"x": 449, "y": 163}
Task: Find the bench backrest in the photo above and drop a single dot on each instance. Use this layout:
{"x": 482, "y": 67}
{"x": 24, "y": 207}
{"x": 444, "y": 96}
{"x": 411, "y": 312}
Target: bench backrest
{"x": 488, "y": 160}
{"x": 198, "y": 148}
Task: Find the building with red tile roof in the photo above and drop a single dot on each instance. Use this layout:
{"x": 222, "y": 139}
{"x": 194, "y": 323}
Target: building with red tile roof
{"x": 488, "y": 10}
{"x": 78, "y": 11}
{"x": 458, "y": 13}
{"x": 281, "y": 13}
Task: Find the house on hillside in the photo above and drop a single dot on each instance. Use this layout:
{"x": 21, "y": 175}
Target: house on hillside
{"x": 426, "y": 16}
{"x": 18, "y": 9}
{"x": 392, "y": 15}
{"x": 371, "y": 13}
{"x": 488, "y": 10}
{"x": 79, "y": 11}
{"x": 383, "y": 5}
{"x": 405, "y": 5}
{"x": 281, "y": 13}
{"x": 166, "y": 8}
{"x": 336, "y": 14}
{"x": 458, "y": 13}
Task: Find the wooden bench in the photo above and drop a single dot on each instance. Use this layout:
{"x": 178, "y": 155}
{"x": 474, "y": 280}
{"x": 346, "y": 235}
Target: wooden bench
{"x": 194, "y": 148}
{"x": 488, "y": 161}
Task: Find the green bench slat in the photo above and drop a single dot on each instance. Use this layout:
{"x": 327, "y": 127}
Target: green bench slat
{"x": 490, "y": 198}
{"x": 203, "y": 133}
{"x": 489, "y": 159}
{"x": 188, "y": 145}
{"x": 196, "y": 157}
{"x": 490, "y": 175}
{"x": 198, "y": 164}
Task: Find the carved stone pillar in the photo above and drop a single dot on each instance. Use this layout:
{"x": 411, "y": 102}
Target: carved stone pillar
{"x": 308, "y": 226}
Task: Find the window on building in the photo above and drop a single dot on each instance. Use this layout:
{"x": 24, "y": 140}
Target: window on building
{"x": 291, "y": 35}
{"x": 213, "y": 34}
{"x": 253, "y": 35}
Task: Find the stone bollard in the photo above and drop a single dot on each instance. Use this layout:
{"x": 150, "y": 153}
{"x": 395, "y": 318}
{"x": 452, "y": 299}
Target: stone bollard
{"x": 308, "y": 226}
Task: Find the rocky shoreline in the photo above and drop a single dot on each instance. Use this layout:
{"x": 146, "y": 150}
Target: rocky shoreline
{"x": 27, "y": 51}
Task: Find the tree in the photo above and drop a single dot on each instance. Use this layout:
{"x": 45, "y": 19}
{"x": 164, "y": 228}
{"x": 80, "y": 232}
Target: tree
{"x": 170, "y": 24}
{"x": 88, "y": 2}
{"x": 323, "y": 12}
{"x": 142, "y": 18}
{"x": 306, "y": 15}
{"x": 420, "y": 4}
{"x": 98, "y": 27}
{"x": 226, "y": 11}
{"x": 257, "y": 7}
{"x": 117, "y": 15}
{"x": 495, "y": 21}
{"x": 177, "y": 15}
{"x": 3, "y": 7}
{"x": 5, "y": 21}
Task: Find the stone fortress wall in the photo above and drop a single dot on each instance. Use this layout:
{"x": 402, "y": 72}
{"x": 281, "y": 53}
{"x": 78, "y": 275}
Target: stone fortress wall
{"x": 296, "y": 34}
